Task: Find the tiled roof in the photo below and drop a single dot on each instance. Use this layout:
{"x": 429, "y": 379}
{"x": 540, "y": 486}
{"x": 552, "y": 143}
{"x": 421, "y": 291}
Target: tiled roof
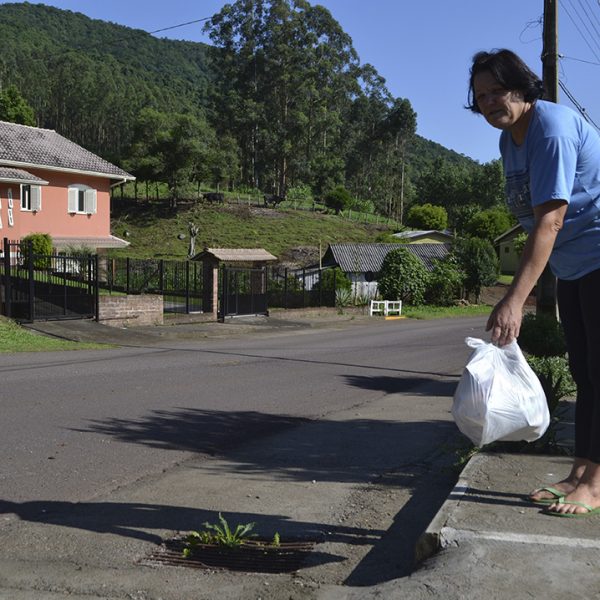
{"x": 361, "y": 258}
{"x": 237, "y": 254}
{"x": 11, "y": 175}
{"x": 21, "y": 145}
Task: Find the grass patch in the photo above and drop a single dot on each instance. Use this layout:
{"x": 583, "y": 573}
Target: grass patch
{"x": 443, "y": 312}
{"x": 14, "y": 338}
{"x": 506, "y": 279}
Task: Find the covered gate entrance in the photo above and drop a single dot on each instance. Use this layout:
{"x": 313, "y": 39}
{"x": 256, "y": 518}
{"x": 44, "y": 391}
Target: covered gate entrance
{"x": 243, "y": 292}
{"x": 235, "y": 281}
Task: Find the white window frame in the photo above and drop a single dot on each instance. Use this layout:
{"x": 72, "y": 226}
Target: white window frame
{"x": 82, "y": 199}
{"x": 31, "y": 197}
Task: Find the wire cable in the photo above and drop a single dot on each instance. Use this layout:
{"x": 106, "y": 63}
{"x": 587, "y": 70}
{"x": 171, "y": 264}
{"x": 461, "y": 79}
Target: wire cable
{"x": 583, "y": 37}
{"x": 578, "y": 106}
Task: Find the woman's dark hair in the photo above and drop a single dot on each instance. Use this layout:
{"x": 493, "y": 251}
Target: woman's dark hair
{"x": 509, "y": 71}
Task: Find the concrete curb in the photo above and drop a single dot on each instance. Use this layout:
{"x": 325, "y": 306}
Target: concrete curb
{"x": 433, "y": 539}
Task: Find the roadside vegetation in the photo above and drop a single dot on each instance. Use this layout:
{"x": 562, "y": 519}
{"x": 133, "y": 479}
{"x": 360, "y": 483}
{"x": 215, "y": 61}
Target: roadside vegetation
{"x": 14, "y": 338}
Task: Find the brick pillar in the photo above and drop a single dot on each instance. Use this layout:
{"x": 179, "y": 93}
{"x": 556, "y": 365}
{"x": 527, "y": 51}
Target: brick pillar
{"x": 210, "y": 286}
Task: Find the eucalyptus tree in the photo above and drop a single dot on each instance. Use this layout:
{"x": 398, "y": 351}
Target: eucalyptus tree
{"x": 285, "y": 80}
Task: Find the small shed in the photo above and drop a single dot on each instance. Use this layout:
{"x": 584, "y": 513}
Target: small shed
{"x": 253, "y": 260}
{"x": 362, "y": 262}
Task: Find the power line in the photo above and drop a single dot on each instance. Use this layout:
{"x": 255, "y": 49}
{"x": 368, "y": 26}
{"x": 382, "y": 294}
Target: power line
{"x": 589, "y": 18}
{"x": 594, "y": 16}
{"x": 578, "y": 106}
{"x": 589, "y": 62}
{"x": 583, "y": 37}
{"x": 180, "y": 25}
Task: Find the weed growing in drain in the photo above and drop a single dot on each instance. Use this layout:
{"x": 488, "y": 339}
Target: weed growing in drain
{"x": 223, "y": 535}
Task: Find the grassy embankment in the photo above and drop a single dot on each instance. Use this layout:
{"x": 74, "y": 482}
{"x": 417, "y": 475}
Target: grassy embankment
{"x": 155, "y": 231}
{"x": 14, "y": 338}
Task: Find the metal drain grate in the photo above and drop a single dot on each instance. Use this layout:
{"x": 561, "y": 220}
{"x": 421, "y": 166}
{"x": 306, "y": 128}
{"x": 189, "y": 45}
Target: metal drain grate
{"x": 254, "y": 556}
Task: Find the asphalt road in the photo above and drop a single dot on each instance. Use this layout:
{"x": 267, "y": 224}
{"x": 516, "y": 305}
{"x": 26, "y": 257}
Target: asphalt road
{"x": 76, "y": 425}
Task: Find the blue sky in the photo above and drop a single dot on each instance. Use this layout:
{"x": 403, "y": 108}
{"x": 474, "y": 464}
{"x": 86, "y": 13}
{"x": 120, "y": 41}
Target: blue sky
{"x": 423, "y": 49}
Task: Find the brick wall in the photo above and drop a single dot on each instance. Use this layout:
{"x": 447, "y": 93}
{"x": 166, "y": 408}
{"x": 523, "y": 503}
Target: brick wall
{"x": 131, "y": 311}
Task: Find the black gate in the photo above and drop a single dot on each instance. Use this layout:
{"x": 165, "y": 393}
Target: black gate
{"x": 40, "y": 287}
{"x": 243, "y": 292}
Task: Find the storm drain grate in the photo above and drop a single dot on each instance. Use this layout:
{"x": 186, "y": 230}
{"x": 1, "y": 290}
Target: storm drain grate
{"x": 254, "y": 556}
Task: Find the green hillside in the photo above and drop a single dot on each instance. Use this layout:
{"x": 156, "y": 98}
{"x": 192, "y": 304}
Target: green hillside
{"x": 292, "y": 235}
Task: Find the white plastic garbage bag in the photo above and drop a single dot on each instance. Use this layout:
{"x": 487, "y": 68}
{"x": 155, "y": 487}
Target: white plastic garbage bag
{"x": 499, "y": 397}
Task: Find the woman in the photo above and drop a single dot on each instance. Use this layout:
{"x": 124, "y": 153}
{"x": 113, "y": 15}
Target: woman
{"x": 551, "y": 159}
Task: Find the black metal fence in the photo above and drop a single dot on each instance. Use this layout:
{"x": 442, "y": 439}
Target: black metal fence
{"x": 43, "y": 287}
{"x": 59, "y": 286}
{"x": 243, "y": 291}
{"x": 301, "y": 288}
{"x": 179, "y": 282}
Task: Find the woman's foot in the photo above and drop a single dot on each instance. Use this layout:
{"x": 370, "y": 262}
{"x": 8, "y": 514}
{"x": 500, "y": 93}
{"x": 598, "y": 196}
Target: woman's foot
{"x": 585, "y": 498}
{"x": 550, "y": 494}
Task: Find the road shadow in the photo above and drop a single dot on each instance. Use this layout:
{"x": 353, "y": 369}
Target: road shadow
{"x": 149, "y": 522}
{"x": 284, "y": 447}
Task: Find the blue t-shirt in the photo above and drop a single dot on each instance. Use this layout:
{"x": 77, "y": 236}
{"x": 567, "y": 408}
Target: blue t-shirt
{"x": 559, "y": 160}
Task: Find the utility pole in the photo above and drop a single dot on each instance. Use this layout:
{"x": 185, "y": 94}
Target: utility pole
{"x": 546, "y": 285}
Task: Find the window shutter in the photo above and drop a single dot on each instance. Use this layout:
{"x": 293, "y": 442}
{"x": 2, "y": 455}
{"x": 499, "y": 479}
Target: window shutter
{"x": 89, "y": 201}
{"x": 36, "y": 198}
{"x": 73, "y": 200}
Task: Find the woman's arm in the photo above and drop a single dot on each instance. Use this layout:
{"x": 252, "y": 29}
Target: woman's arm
{"x": 505, "y": 320}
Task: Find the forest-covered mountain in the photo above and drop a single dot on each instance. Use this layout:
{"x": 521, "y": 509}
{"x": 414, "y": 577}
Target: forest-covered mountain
{"x": 279, "y": 100}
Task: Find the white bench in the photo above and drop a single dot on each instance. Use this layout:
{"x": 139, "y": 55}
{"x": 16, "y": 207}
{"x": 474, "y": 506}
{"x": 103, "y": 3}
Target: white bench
{"x": 385, "y": 307}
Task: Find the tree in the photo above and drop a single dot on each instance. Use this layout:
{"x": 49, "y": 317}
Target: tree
{"x": 488, "y": 184}
{"x": 477, "y": 258}
{"x": 14, "y": 108}
{"x": 445, "y": 282}
{"x": 168, "y": 148}
{"x": 338, "y": 199}
{"x": 285, "y": 77}
{"x": 402, "y": 277}
{"x": 489, "y": 224}
{"x": 427, "y": 216}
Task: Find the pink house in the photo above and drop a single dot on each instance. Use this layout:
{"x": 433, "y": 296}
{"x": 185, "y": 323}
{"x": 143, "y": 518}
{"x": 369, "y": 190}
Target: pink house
{"x": 49, "y": 184}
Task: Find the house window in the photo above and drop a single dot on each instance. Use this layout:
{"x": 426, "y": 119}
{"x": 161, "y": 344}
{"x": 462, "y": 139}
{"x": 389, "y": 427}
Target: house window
{"x": 31, "y": 197}
{"x": 82, "y": 199}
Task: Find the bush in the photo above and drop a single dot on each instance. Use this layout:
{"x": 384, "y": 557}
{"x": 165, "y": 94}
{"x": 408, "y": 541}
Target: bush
{"x": 300, "y": 193}
{"x": 41, "y": 247}
{"x": 403, "y": 277}
{"x": 333, "y": 279}
{"x": 555, "y": 377}
{"x": 542, "y": 335}
{"x": 338, "y": 199}
{"x": 445, "y": 283}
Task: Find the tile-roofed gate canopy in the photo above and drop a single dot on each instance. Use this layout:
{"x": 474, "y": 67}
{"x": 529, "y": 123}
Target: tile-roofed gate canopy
{"x": 237, "y": 255}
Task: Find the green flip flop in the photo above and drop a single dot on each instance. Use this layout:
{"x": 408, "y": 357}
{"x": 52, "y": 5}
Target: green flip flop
{"x": 556, "y": 496}
{"x": 590, "y": 511}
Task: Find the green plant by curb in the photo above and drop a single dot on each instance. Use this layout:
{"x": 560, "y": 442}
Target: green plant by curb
{"x": 221, "y": 534}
